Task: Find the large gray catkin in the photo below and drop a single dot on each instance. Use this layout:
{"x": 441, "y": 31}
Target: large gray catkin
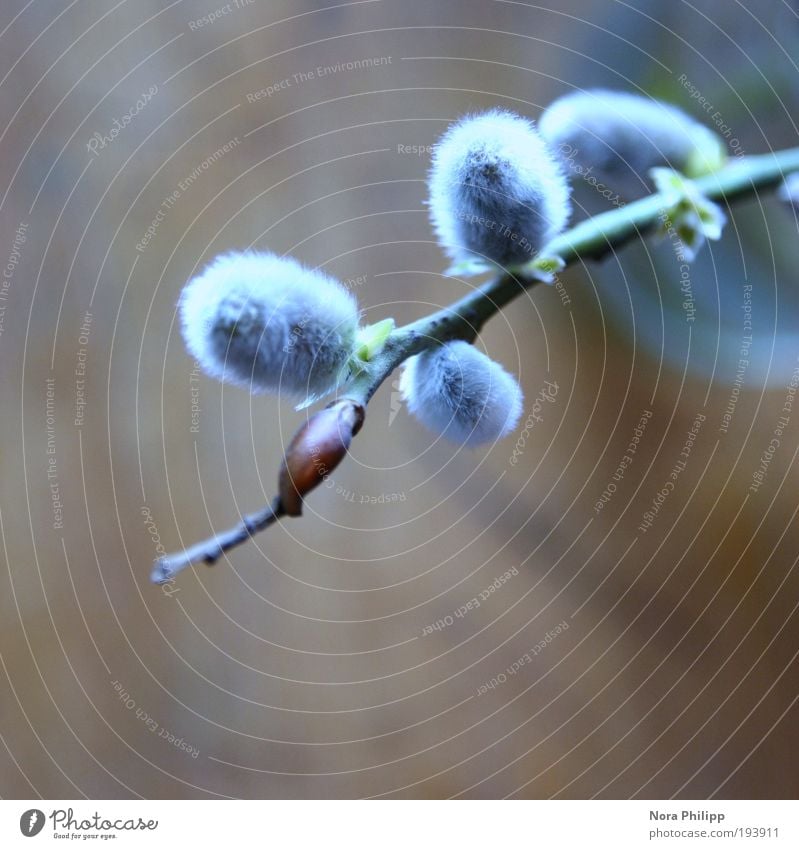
{"x": 266, "y": 323}
{"x": 496, "y": 193}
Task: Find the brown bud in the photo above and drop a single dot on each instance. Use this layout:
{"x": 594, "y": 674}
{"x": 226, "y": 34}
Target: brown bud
{"x": 316, "y": 449}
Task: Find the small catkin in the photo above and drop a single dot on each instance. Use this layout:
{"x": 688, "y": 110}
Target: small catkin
{"x": 266, "y": 323}
{"x": 496, "y": 192}
{"x": 788, "y": 192}
{"x": 619, "y": 136}
{"x": 458, "y": 392}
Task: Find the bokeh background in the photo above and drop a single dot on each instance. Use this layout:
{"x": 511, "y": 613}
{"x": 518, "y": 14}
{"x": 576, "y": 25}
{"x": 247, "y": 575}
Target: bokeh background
{"x": 306, "y": 663}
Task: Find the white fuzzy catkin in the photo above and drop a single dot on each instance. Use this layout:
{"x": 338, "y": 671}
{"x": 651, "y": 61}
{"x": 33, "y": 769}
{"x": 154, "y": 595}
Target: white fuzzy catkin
{"x": 619, "y": 136}
{"x": 496, "y": 191}
{"x": 458, "y": 392}
{"x": 266, "y": 323}
{"x": 788, "y": 192}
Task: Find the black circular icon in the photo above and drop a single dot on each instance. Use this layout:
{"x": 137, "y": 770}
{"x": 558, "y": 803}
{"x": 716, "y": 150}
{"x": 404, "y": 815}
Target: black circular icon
{"x": 31, "y": 822}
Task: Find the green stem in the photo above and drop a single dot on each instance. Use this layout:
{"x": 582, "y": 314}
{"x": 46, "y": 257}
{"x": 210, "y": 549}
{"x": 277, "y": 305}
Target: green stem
{"x": 591, "y": 239}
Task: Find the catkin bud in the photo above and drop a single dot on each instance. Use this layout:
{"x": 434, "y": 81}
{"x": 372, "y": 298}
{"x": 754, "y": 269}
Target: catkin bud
{"x": 619, "y": 136}
{"x": 266, "y": 323}
{"x": 458, "y": 392}
{"x": 788, "y": 192}
{"x": 496, "y": 192}
{"x": 316, "y": 449}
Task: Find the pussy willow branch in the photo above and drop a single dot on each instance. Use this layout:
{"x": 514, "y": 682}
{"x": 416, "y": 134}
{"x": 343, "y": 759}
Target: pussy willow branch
{"x": 591, "y": 239}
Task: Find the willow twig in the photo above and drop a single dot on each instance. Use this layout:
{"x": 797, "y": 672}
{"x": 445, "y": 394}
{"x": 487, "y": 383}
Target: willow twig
{"x": 210, "y": 550}
{"x": 593, "y": 239}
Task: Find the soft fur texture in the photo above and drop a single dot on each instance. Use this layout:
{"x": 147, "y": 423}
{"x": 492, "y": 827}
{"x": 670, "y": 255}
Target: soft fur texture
{"x": 458, "y": 392}
{"x": 266, "y": 323}
{"x": 788, "y": 192}
{"x": 496, "y": 191}
{"x": 619, "y": 136}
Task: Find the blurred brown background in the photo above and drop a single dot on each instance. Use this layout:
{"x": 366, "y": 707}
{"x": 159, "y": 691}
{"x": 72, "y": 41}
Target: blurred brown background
{"x": 304, "y": 665}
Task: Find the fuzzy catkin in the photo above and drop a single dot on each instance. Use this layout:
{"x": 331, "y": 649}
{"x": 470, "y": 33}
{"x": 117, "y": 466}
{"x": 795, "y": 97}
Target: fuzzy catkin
{"x": 458, "y": 392}
{"x": 267, "y": 323}
{"x": 496, "y": 191}
{"x": 619, "y": 136}
{"x": 788, "y": 192}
